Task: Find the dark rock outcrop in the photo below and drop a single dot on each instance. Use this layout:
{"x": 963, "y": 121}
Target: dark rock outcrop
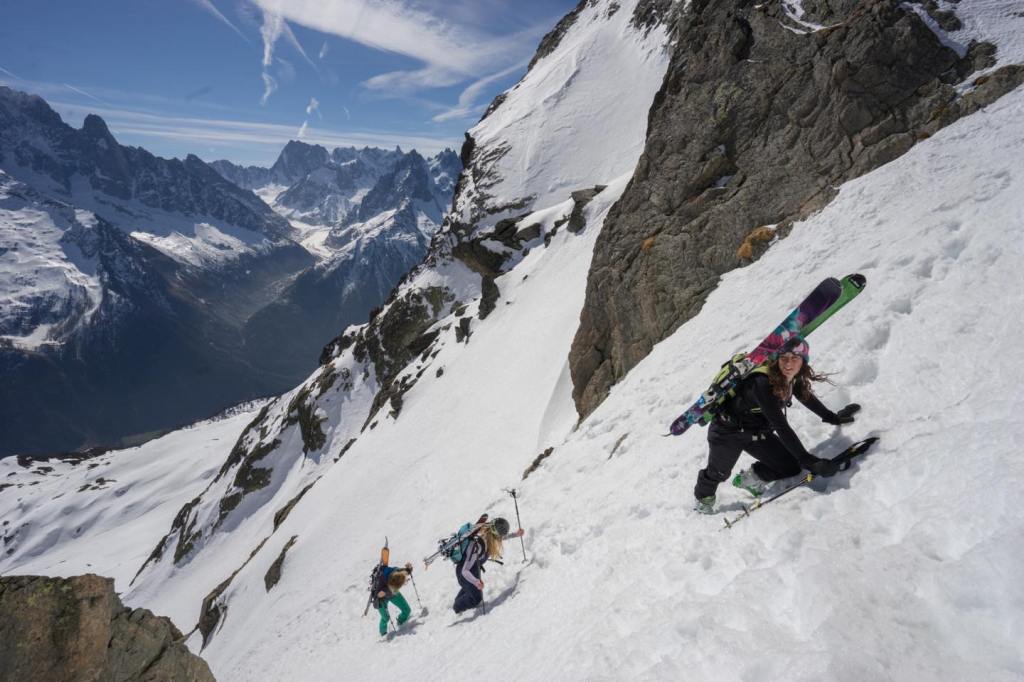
{"x": 73, "y": 629}
{"x": 580, "y": 199}
{"x": 757, "y": 122}
{"x": 273, "y": 575}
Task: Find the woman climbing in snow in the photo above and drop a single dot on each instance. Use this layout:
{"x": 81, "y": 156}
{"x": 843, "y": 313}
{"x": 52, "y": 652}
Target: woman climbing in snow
{"x": 386, "y": 591}
{"x": 754, "y": 421}
{"x": 483, "y": 545}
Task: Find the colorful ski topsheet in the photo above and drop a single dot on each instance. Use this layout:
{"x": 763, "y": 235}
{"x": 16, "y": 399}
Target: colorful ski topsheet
{"x": 822, "y": 303}
{"x": 820, "y": 300}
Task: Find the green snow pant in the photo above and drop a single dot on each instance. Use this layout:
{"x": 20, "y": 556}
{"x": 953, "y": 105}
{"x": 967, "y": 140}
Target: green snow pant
{"x": 403, "y": 606}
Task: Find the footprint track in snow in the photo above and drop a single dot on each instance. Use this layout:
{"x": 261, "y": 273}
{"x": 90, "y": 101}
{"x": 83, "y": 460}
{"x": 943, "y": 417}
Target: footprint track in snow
{"x": 903, "y": 305}
{"x": 877, "y": 338}
{"x": 925, "y": 267}
{"x": 863, "y": 373}
{"x": 954, "y": 247}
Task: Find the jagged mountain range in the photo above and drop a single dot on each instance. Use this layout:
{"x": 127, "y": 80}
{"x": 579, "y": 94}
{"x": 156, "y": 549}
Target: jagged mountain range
{"x": 349, "y": 185}
{"x": 140, "y": 293}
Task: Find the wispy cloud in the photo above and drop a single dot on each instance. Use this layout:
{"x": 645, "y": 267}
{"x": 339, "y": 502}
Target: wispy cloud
{"x": 406, "y": 82}
{"x": 451, "y": 51}
{"x": 269, "y": 87}
{"x": 273, "y": 27}
{"x": 468, "y": 105}
{"x": 114, "y": 97}
{"x": 14, "y": 76}
{"x": 244, "y": 136}
{"x": 386, "y": 25}
{"x": 302, "y": 130}
{"x": 72, "y": 88}
{"x": 314, "y": 105}
{"x": 323, "y": 51}
{"x": 212, "y": 9}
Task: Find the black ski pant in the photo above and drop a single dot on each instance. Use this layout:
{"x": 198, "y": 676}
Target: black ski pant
{"x": 774, "y": 461}
{"x": 469, "y": 596}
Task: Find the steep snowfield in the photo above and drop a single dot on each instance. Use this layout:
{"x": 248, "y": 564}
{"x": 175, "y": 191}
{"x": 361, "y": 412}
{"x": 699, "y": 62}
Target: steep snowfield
{"x": 902, "y": 568}
{"x": 573, "y": 117}
{"x": 104, "y": 515}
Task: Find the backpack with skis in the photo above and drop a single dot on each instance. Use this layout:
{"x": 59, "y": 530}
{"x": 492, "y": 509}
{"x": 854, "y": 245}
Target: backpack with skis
{"x": 385, "y": 555}
{"x": 454, "y": 546}
{"x": 827, "y": 298}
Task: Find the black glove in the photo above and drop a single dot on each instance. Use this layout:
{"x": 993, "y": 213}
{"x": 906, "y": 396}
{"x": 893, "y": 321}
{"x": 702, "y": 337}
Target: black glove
{"x": 824, "y": 467}
{"x": 844, "y": 416}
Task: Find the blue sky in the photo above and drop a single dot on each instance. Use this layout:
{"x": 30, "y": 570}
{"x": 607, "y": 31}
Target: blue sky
{"x": 237, "y": 79}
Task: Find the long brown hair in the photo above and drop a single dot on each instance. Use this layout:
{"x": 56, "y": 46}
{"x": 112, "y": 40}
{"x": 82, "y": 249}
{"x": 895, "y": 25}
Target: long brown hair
{"x": 801, "y": 382}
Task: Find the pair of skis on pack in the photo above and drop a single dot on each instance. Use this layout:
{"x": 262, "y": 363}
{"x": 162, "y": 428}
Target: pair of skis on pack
{"x": 826, "y": 299}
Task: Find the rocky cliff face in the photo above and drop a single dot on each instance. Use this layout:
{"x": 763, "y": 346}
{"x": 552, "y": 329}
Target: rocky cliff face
{"x": 75, "y": 629}
{"x": 764, "y": 111}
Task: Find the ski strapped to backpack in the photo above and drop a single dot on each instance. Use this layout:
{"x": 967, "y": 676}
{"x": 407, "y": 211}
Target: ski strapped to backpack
{"x": 385, "y": 556}
{"x": 453, "y": 546}
{"x": 826, "y": 299}
{"x": 858, "y": 448}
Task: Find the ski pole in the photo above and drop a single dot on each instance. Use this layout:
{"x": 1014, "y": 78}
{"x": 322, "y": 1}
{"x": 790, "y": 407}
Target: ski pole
{"x": 512, "y": 492}
{"x": 416, "y": 590}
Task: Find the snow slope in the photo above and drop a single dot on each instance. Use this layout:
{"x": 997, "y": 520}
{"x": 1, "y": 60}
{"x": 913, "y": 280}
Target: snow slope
{"x": 56, "y": 514}
{"x": 571, "y": 118}
{"x": 902, "y": 568}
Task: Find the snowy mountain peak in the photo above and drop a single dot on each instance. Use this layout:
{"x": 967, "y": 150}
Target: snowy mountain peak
{"x": 296, "y": 160}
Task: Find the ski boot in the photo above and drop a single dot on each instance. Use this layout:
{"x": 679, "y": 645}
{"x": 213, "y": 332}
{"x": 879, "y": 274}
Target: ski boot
{"x": 705, "y": 505}
{"x": 750, "y": 481}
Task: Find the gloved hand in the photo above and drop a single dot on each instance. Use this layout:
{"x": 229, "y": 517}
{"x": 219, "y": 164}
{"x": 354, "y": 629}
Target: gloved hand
{"x": 824, "y": 467}
{"x": 408, "y": 567}
{"x": 845, "y": 415}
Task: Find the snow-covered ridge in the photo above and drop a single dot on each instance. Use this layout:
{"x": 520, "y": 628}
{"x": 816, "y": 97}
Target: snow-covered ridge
{"x": 571, "y": 121}
{"x": 120, "y": 500}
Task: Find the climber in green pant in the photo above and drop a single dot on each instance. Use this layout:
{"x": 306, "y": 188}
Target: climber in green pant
{"x": 389, "y": 582}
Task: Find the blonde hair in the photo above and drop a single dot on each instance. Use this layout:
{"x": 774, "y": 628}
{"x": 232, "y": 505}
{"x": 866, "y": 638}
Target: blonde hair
{"x": 493, "y": 542}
